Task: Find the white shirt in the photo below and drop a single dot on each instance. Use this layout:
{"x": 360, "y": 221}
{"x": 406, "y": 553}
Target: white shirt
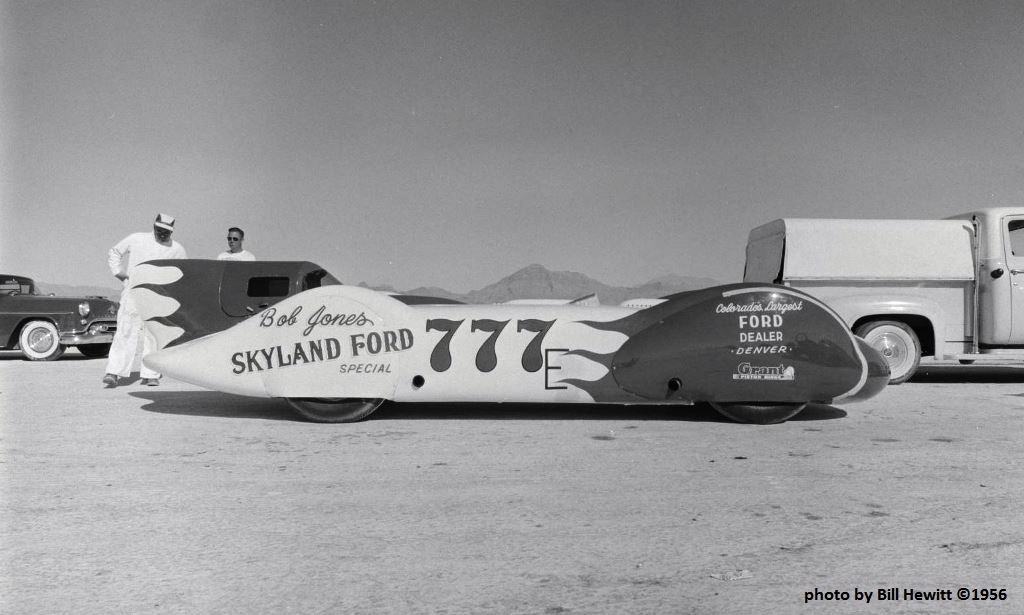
{"x": 243, "y": 255}
{"x": 138, "y": 248}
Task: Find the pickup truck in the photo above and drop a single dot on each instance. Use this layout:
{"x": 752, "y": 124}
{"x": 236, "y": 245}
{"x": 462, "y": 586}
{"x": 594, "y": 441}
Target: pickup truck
{"x": 950, "y": 289}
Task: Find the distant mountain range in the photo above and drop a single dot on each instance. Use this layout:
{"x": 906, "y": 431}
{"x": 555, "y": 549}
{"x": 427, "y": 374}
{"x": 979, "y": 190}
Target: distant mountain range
{"x": 68, "y": 290}
{"x": 532, "y": 282}
{"x": 538, "y": 282}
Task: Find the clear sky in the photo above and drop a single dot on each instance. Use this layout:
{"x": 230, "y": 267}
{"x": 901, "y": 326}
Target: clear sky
{"x": 451, "y": 143}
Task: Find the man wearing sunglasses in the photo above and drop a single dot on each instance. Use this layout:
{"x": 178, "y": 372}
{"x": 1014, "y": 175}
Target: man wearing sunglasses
{"x": 235, "y": 251}
{"x": 123, "y": 258}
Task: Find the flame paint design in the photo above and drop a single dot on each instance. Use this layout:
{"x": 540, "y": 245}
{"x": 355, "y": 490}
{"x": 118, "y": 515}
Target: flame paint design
{"x": 607, "y": 388}
{"x": 156, "y": 308}
{"x": 188, "y": 305}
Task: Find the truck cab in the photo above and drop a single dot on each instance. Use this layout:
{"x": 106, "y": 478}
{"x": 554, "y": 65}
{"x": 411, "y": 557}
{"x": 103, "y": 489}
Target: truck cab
{"x": 1000, "y": 259}
{"x": 951, "y": 289}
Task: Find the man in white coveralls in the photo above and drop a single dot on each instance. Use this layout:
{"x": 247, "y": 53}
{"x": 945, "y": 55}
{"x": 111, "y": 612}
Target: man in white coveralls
{"x": 123, "y": 258}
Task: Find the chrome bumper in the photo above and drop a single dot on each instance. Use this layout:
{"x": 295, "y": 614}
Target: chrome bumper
{"x": 98, "y": 333}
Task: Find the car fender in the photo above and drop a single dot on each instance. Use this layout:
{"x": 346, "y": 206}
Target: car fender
{"x": 881, "y": 307}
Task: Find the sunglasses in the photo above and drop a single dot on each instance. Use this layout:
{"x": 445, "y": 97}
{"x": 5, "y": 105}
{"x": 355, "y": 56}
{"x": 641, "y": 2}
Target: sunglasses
{"x": 234, "y": 239}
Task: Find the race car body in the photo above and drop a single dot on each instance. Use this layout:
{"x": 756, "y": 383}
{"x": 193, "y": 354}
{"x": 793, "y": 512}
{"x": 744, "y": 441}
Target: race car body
{"x": 758, "y": 353}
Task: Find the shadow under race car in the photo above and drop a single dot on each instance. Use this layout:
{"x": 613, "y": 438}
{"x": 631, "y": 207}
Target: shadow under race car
{"x": 757, "y": 353}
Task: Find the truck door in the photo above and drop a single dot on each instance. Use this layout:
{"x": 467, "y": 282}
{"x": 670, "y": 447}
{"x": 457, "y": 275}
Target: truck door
{"x": 1013, "y": 241}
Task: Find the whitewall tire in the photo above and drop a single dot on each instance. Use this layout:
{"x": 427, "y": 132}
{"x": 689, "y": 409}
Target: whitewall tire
{"x": 40, "y": 341}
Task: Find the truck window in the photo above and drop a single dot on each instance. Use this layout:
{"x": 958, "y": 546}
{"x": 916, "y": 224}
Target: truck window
{"x": 782, "y": 265}
{"x": 1016, "y": 231}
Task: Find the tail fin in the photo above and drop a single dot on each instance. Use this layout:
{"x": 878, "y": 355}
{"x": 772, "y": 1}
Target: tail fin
{"x": 184, "y": 299}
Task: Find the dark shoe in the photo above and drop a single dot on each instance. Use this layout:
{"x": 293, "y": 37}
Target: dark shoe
{"x": 110, "y": 381}
{"x": 150, "y": 382}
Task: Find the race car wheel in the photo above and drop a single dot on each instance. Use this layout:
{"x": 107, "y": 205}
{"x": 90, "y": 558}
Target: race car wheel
{"x": 334, "y": 409}
{"x": 40, "y": 341}
{"x": 94, "y": 351}
{"x": 897, "y": 343}
{"x": 758, "y": 414}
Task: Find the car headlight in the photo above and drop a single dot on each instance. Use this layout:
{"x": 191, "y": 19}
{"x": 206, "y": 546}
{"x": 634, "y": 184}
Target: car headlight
{"x": 83, "y": 309}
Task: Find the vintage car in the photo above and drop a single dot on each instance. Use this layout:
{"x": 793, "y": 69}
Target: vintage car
{"x": 43, "y": 326}
{"x": 757, "y": 353}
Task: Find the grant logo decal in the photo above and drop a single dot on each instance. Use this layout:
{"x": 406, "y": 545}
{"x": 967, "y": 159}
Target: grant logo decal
{"x": 746, "y": 371}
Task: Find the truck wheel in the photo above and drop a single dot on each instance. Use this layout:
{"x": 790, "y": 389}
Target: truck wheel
{"x": 334, "y": 409}
{"x": 40, "y": 341}
{"x": 758, "y": 414}
{"x": 898, "y": 344}
{"x": 94, "y": 351}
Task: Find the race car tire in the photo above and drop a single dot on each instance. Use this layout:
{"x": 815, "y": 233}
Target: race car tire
{"x": 40, "y": 341}
{"x": 898, "y": 345}
{"x": 334, "y": 409}
{"x": 758, "y": 414}
{"x": 94, "y": 351}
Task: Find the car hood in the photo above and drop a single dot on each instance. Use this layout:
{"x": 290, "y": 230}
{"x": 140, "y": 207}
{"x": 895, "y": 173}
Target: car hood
{"x": 99, "y": 306}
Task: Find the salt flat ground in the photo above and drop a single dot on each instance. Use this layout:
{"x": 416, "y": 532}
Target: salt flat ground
{"x": 180, "y": 500}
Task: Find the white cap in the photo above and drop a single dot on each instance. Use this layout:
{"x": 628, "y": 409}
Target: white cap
{"x": 164, "y": 221}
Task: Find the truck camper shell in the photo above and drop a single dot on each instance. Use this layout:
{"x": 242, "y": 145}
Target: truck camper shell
{"x": 793, "y": 249}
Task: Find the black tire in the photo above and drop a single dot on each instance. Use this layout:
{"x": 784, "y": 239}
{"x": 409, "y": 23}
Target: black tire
{"x": 334, "y": 409}
{"x": 94, "y": 351}
{"x": 39, "y": 340}
{"x": 758, "y": 414}
{"x": 898, "y": 345}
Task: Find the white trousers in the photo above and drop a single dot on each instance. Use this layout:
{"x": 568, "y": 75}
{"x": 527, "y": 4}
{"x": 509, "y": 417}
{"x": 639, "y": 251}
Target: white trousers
{"x": 124, "y": 350}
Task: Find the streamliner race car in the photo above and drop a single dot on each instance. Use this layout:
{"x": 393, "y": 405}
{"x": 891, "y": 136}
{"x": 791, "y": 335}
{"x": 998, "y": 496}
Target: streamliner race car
{"x": 757, "y": 353}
